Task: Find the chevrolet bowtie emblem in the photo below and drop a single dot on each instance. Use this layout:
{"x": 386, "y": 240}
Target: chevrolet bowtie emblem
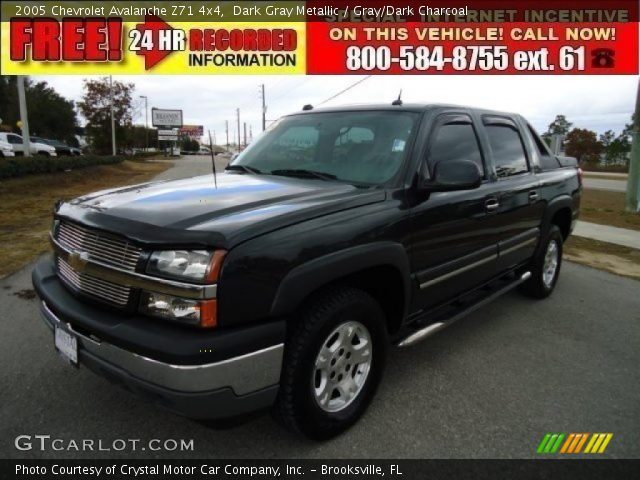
{"x": 78, "y": 260}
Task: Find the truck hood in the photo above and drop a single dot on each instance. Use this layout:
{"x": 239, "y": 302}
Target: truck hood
{"x": 194, "y": 212}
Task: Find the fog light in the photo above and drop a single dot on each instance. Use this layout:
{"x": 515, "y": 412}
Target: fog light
{"x": 192, "y": 312}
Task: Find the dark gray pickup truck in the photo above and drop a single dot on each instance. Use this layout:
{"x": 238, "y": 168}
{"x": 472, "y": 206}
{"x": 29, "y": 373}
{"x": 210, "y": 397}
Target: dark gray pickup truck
{"x": 281, "y": 285}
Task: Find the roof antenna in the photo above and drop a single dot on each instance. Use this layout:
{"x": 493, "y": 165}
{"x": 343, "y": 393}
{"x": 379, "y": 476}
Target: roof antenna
{"x": 213, "y": 160}
{"x": 398, "y": 101}
{"x": 308, "y": 106}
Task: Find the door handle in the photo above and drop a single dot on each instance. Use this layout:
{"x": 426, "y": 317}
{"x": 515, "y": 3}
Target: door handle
{"x": 491, "y": 204}
{"x": 533, "y": 196}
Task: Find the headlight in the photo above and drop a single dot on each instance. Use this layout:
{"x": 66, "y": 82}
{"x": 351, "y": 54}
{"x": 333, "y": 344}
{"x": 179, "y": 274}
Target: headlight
{"x": 192, "y": 312}
{"x": 194, "y": 265}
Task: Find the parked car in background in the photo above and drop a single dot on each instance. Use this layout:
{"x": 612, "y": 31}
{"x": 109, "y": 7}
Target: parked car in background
{"x": 36, "y": 148}
{"x": 61, "y": 147}
{"x": 6, "y": 150}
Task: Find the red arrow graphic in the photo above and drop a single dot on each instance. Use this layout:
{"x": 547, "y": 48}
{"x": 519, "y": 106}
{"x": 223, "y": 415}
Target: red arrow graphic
{"x": 153, "y": 55}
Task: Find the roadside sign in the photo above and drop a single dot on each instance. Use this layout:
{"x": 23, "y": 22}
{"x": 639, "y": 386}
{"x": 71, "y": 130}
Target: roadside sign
{"x": 192, "y": 131}
{"x": 166, "y": 118}
{"x": 170, "y": 138}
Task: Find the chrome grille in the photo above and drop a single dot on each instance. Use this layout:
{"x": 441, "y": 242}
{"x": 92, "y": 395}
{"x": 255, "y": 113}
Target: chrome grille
{"x": 107, "y": 291}
{"x": 102, "y": 247}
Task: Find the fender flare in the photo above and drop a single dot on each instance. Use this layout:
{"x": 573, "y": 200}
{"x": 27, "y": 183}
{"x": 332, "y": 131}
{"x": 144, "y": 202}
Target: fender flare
{"x": 308, "y": 277}
{"x": 554, "y": 205}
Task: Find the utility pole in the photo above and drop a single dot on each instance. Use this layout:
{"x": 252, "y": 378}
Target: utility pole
{"x": 24, "y": 120}
{"x": 146, "y": 121}
{"x": 238, "y": 121}
{"x": 245, "y": 134}
{"x": 264, "y": 110}
{"x": 250, "y": 134}
{"x": 113, "y": 123}
{"x": 226, "y": 127}
{"x": 633, "y": 180}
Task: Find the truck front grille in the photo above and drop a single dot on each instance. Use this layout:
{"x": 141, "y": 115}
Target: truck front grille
{"x": 106, "y": 291}
{"x": 102, "y": 247}
{"x": 108, "y": 249}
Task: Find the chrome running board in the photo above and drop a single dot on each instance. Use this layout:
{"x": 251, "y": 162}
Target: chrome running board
{"x": 433, "y": 328}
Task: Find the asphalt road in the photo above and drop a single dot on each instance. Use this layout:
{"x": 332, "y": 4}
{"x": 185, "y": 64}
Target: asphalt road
{"x": 605, "y": 184}
{"x": 490, "y": 386}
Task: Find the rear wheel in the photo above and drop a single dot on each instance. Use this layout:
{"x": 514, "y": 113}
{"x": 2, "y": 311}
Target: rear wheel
{"x": 333, "y": 363}
{"x": 545, "y": 265}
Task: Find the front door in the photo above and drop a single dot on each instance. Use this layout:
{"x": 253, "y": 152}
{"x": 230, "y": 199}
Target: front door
{"x": 454, "y": 238}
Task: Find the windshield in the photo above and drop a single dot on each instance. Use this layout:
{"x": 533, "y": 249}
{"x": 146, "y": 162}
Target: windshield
{"x": 366, "y": 147}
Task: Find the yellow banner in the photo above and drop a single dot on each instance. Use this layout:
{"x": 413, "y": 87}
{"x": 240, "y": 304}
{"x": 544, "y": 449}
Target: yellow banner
{"x": 39, "y": 46}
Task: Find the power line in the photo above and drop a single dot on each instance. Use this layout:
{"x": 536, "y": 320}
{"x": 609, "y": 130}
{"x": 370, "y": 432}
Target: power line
{"x": 345, "y": 90}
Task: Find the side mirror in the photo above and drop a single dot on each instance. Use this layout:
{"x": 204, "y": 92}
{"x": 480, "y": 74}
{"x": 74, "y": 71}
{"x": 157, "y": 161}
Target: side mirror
{"x": 453, "y": 175}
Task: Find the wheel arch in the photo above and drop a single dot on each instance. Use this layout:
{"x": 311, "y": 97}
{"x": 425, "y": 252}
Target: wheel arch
{"x": 559, "y": 212}
{"x": 380, "y": 269}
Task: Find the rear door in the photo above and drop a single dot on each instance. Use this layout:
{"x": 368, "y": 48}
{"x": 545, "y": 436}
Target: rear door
{"x": 519, "y": 205}
{"x": 453, "y": 240}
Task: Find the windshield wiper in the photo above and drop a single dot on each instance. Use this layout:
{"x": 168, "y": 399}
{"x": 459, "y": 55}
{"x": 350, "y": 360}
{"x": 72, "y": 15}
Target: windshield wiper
{"x": 301, "y": 172}
{"x": 243, "y": 168}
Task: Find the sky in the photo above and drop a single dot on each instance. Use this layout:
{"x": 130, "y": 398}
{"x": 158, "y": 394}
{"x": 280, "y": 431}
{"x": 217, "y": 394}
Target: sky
{"x": 597, "y": 103}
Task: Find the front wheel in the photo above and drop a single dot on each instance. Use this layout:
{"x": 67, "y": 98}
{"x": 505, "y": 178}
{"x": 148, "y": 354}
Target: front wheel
{"x": 545, "y": 265}
{"x": 333, "y": 363}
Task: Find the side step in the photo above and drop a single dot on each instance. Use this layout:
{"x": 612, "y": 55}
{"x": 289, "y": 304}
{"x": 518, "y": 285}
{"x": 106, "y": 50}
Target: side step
{"x": 443, "y": 321}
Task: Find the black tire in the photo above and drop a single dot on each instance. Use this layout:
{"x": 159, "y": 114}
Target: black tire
{"x": 296, "y": 407}
{"x": 536, "y": 286}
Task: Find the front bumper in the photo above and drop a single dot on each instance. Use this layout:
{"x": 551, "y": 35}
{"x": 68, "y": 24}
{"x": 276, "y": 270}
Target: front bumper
{"x": 224, "y": 387}
{"x": 8, "y": 153}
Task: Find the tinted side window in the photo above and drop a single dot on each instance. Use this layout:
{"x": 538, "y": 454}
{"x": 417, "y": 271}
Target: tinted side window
{"x": 455, "y": 141}
{"x": 508, "y": 150}
{"x": 14, "y": 139}
{"x": 547, "y": 160}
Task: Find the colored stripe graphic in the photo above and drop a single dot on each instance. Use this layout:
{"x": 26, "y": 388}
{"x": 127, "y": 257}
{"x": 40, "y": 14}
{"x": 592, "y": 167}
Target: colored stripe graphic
{"x": 581, "y": 442}
{"x": 598, "y": 443}
{"x": 550, "y": 443}
{"x": 573, "y": 443}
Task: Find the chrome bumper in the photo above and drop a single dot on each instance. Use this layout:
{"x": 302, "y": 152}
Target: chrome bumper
{"x": 243, "y": 374}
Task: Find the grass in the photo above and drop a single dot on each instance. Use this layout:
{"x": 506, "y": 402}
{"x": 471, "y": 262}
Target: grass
{"x": 607, "y": 208}
{"x": 604, "y": 256}
{"x": 27, "y": 204}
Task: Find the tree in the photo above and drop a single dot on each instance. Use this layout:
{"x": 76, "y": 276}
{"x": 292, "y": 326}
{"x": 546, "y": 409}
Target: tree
{"x": 96, "y": 108}
{"x": 560, "y": 126}
{"x": 189, "y": 145}
{"x": 136, "y": 137}
{"x": 628, "y": 128}
{"x": 584, "y": 145}
{"x": 606, "y": 139}
{"x": 50, "y": 114}
{"x": 617, "y": 151}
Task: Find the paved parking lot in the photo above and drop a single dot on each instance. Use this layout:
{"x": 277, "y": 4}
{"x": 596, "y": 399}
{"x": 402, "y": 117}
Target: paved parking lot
{"x": 488, "y": 387}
